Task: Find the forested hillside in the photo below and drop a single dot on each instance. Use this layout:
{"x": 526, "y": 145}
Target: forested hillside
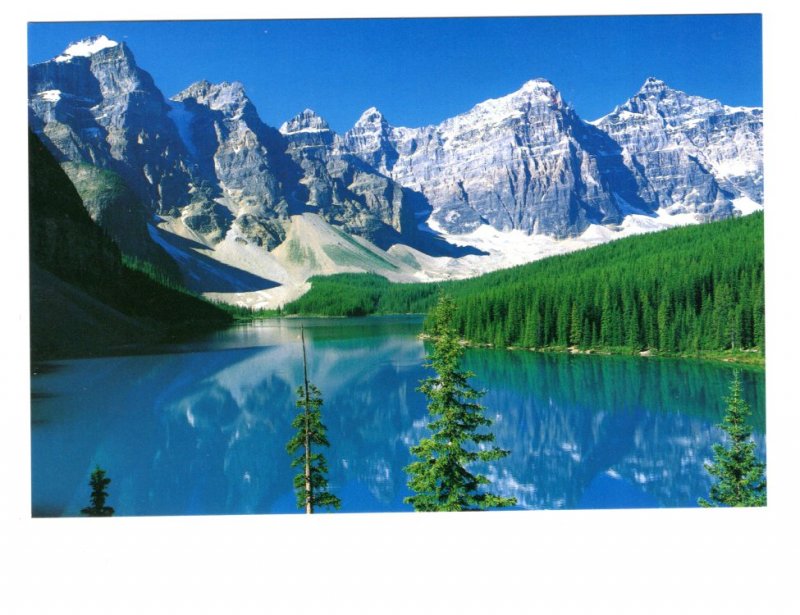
{"x": 85, "y": 297}
{"x": 684, "y": 290}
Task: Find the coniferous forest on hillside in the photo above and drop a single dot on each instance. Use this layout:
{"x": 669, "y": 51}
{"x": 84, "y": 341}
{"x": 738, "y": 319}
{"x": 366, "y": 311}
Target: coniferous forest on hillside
{"x": 687, "y": 290}
{"x": 86, "y": 295}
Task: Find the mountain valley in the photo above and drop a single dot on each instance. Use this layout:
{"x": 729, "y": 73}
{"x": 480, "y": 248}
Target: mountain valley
{"x": 244, "y": 213}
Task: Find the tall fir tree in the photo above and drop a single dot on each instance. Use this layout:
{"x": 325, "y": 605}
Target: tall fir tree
{"x": 311, "y": 484}
{"x": 440, "y": 477}
{"x": 575, "y": 326}
{"x": 740, "y": 475}
{"x": 98, "y": 482}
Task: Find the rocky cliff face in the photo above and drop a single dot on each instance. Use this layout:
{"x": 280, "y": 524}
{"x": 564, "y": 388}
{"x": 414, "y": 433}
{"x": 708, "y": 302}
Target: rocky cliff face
{"x": 205, "y": 156}
{"x": 524, "y": 161}
{"x": 243, "y": 175}
{"x": 695, "y": 154}
{"x": 527, "y": 161}
{"x": 347, "y": 192}
{"x": 93, "y": 104}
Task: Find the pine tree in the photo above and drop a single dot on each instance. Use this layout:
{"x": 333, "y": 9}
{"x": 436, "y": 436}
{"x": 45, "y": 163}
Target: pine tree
{"x": 440, "y": 478}
{"x": 98, "y": 482}
{"x": 740, "y": 475}
{"x": 311, "y": 485}
{"x": 575, "y": 326}
{"x": 515, "y": 319}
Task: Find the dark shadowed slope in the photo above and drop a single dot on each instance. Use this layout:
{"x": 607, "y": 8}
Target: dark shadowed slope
{"x": 84, "y": 300}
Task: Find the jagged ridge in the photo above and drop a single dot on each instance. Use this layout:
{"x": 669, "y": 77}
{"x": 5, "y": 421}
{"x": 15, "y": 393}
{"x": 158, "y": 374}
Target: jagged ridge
{"x": 208, "y": 168}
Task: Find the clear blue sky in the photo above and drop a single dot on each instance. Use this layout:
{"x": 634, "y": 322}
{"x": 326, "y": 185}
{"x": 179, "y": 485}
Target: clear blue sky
{"x": 421, "y": 71}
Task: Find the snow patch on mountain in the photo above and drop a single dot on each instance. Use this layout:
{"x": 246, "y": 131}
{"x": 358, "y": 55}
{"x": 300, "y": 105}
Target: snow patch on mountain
{"x": 745, "y": 205}
{"x": 50, "y": 95}
{"x": 86, "y": 48}
{"x": 511, "y": 248}
{"x": 307, "y": 121}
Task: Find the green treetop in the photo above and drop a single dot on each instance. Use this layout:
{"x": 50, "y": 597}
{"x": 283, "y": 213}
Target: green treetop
{"x": 440, "y": 478}
{"x": 98, "y": 482}
{"x": 739, "y": 474}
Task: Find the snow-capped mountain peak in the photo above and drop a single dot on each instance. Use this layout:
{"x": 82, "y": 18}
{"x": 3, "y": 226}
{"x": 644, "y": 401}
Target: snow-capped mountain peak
{"x": 225, "y": 96}
{"x": 665, "y": 104}
{"x": 695, "y": 153}
{"x": 307, "y": 121}
{"x": 653, "y": 85}
{"x": 539, "y": 87}
{"x": 371, "y": 116}
{"x": 539, "y": 92}
{"x": 86, "y": 48}
{"x": 370, "y": 139}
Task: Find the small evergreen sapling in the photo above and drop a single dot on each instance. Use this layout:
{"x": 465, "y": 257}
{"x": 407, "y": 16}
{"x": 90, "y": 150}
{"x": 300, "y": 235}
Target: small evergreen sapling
{"x": 439, "y": 477}
{"x": 98, "y": 482}
{"x": 739, "y": 474}
{"x": 311, "y": 485}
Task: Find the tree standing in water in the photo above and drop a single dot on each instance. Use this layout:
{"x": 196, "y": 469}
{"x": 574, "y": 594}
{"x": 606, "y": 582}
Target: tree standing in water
{"x": 439, "y": 477}
{"x": 311, "y": 484}
{"x": 740, "y": 474}
{"x": 98, "y": 482}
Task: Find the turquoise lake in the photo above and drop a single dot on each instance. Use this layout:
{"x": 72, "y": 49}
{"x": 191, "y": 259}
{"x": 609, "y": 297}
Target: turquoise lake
{"x": 200, "y": 428}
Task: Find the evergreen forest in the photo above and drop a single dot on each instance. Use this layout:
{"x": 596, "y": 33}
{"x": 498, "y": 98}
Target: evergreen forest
{"x": 695, "y": 290}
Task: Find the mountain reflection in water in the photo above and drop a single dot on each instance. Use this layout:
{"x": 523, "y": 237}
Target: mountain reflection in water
{"x": 202, "y": 429}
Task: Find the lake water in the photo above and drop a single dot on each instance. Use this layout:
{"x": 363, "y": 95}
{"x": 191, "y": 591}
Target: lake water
{"x": 201, "y": 428}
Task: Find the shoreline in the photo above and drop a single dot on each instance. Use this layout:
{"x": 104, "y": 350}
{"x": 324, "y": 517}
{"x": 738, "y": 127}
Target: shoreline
{"x": 174, "y": 337}
{"x": 742, "y": 358}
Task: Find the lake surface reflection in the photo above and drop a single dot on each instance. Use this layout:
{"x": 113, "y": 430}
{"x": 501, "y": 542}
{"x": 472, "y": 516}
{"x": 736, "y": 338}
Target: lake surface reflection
{"x": 201, "y": 428}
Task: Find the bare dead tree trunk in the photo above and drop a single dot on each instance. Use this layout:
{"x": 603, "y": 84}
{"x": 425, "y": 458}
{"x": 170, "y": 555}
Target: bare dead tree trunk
{"x": 309, "y": 493}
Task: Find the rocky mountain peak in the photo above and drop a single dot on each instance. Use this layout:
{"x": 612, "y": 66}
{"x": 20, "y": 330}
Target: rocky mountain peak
{"x": 370, "y": 138}
{"x": 539, "y": 86}
{"x": 658, "y": 100}
{"x": 372, "y": 117}
{"x": 536, "y": 98}
{"x": 694, "y": 153}
{"x": 653, "y": 86}
{"x": 371, "y": 126}
{"x": 95, "y": 68}
{"x": 534, "y": 92}
{"x": 197, "y": 89}
{"x": 227, "y": 97}
{"x": 307, "y": 121}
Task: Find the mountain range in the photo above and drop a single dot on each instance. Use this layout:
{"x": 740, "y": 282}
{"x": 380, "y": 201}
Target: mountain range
{"x": 248, "y": 212}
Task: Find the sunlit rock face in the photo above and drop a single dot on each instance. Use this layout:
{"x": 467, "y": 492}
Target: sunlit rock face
{"x": 695, "y": 154}
{"x": 93, "y": 104}
{"x": 347, "y": 192}
{"x": 527, "y": 161}
{"x": 522, "y": 162}
{"x": 240, "y": 162}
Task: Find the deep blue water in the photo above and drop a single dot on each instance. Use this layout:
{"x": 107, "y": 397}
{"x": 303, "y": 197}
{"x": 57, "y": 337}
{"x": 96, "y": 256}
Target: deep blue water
{"x": 202, "y": 428}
